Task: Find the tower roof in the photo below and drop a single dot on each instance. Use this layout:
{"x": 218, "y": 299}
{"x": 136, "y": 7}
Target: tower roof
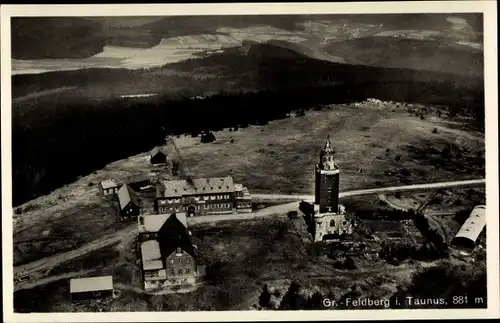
{"x": 328, "y": 147}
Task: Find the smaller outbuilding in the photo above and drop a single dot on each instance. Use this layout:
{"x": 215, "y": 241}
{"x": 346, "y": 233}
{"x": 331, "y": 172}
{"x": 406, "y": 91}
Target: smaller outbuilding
{"x": 128, "y": 201}
{"x": 157, "y": 156}
{"x": 91, "y": 288}
{"x": 109, "y": 187}
{"x": 472, "y": 228}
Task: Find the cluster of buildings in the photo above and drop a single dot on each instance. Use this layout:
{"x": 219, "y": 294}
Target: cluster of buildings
{"x": 168, "y": 256}
{"x": 195, "y": 197}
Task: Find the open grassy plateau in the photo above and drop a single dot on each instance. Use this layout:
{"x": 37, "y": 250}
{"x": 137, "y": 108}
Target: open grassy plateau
{"x": 270, "y": 107}
{"x": 376, "y": 145}
{"x": 393, "y": 146}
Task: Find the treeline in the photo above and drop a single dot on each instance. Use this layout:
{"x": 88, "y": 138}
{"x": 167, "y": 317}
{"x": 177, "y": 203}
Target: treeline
{"x": 460, "y": 286}
{"x": 396, "y": 251}
{"x": 442, "y": 286}
{"x": 291, "y": 300}
{"x": 56, "y": 140}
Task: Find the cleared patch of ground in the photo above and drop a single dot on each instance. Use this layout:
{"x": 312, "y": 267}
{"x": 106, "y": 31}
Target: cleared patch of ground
{"x": 376, "y": 145}
{"x": 241, "y": 257}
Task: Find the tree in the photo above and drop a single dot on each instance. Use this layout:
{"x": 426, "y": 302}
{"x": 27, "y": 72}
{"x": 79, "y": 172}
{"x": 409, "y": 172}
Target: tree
{"x": 292, "y": 300}
{"x": 265, "y": 297}
{"x": 214, "y": 273}
{"x": 175, "y": 167}
{"x": 315, "y": 302}
{"x": 350, "y": 263}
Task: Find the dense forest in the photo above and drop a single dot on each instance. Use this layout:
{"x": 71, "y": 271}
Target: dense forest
{"x": 57, "y": 138}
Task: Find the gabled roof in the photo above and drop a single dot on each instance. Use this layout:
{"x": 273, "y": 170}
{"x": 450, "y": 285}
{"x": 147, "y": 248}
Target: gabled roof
{"x": 108, "y": 183}
{"x": 151, "y": 255}
{"x": 150, "y": 250}
{"x": 172, "y": 235}
{"x": 155, "y": 151}
{"x": 154, "y": 222}
{"x": 125, "y": 195}
{"x": 198, "y": 186}
{"x": 89, "y": 284}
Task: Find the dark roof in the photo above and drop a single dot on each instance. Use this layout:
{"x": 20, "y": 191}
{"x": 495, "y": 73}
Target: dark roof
{"x": 125, "y": 195}
{"x": 155, "y": 151}
{"x": 198, "y": 186}
{"x": 172, "y": 235}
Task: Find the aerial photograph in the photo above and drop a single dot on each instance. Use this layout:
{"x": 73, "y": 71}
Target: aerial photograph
{"x": 248, "y": 162}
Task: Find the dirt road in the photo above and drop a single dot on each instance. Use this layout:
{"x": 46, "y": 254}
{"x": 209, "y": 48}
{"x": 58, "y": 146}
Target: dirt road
{"x": 49, "y": 262}
{"x": 51, "y": 279}
{"x": 36, "y": 268}
{"x": 413, "y": 187}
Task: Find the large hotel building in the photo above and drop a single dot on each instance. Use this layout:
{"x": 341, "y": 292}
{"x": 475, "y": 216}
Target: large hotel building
{"x": 202, "y": 196}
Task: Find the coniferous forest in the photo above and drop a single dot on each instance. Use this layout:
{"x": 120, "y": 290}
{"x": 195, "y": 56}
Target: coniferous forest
{"x": 53, "y": 136}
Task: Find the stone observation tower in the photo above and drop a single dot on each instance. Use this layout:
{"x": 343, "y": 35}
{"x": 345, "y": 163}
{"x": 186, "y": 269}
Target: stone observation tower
{"x": 327, "y": 180}
{"x": 325, "y": 217}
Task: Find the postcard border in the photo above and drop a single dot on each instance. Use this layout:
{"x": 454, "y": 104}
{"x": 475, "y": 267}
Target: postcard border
{"x": 488, "y": 8}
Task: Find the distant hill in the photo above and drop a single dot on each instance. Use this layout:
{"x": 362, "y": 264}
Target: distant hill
{"x": 250, "y": 84}
{"x": 251, "y": 67}
{"x": 57, "y": 37}
{"x": 433, "y": 55}
{"x": 70, "y": 37}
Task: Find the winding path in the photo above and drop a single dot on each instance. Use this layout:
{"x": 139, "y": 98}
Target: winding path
{"x": 36, "y": 270}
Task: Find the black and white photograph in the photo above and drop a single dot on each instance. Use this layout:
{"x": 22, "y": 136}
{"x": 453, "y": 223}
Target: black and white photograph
{"x": 178, "y": 161}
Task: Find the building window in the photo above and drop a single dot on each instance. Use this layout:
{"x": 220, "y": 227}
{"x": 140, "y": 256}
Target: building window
{"x": 179, "y": 250}
{"x": 141, "y": 220}
{"x": 150, "y": 274}
{"x": 206, "y": 206}
{"x": 188, "y": 271}
{"x": 332, "y": 223}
